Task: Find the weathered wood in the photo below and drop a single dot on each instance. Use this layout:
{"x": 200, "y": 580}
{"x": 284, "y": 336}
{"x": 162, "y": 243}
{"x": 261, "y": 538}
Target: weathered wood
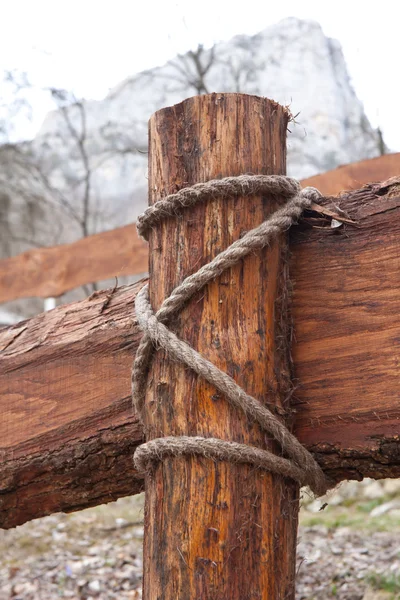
{"x": 216, "y": 530}
{"x": 346, "y": 309}
{"x": 355, "y": 175}
{"x": 67, "y": 431}
{"x": 50, "y": 272}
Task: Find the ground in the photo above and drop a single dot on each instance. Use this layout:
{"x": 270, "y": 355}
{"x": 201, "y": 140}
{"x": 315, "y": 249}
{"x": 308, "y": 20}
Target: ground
{"x": 350, "y": 550}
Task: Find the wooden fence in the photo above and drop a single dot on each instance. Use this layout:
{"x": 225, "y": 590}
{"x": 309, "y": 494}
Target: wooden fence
{"x": 51, "y": 272}
{"x": 67, "y": 429}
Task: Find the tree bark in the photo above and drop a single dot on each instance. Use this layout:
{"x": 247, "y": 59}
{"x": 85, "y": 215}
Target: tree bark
{"x": 217, "y": 530}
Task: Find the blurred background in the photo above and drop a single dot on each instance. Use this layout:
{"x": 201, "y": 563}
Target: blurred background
{"x": 78, "y": 83}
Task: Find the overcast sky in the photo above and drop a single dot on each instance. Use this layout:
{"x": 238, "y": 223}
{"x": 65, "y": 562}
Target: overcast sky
{"x": 89, "y": 46}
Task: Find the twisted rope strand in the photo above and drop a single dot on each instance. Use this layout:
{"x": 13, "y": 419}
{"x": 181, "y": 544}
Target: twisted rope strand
{"x": 228, "y": 187}
{"x": 216, "y": 449}
{"x": 179, "y": 350}
{"x": 302, "y": 467}
{"x": 255, "y": 239}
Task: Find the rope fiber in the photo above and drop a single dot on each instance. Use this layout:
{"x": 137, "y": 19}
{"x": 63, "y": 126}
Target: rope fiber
{"x": 299, "y": 465}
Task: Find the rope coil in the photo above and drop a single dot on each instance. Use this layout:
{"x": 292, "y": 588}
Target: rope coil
{"x": 300, "y": 464}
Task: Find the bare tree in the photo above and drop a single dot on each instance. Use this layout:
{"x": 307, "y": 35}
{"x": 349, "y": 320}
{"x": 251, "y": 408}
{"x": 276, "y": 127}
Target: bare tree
{"x": 206, "y": 70}
{"x": 191, "y": 70}
{"x": 13, "y": 101}
{"x": 48, "y": 190}
{"x": 194, "y": 66}
{"x": 78, "y": 135}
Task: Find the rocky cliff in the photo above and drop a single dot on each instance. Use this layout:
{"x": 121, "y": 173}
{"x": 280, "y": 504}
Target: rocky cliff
{"x": 292, "y": 62}
{"x": 86, "y": 169}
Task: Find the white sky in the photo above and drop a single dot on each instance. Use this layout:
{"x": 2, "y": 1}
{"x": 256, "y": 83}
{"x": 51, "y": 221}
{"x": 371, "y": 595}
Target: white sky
{"x": 90, "y": 45}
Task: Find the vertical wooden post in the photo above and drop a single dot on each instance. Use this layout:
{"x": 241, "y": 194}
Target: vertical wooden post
{"x": 218, "y": 531}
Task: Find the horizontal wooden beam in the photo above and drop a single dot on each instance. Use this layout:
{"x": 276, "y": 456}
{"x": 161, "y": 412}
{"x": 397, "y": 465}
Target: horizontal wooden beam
{"x": 51, "y": 272}
{"x": 355, "y": 175}
{"x": 67, "y": 430}
{"x": 346, "y": 350}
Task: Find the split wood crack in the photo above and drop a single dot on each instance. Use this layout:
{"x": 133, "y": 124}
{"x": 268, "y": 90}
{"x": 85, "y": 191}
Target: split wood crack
{"x": 300, "y": 464}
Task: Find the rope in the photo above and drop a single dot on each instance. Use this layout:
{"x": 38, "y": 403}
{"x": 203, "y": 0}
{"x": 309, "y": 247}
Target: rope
{"x": 300, "y": 466}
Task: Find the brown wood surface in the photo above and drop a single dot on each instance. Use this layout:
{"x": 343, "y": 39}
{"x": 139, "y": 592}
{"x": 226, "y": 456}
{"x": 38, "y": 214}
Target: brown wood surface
{"x": 47, "y": 272}
{"x": 50, "y": 272}
{"x": 67, "y": 432}
{"x": 346, "y": 309}
{"x": 355, "y": 175}
{"x": 217, "y": 530}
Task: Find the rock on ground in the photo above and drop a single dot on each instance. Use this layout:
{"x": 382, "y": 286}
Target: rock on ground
{"x": 348, "y": 551}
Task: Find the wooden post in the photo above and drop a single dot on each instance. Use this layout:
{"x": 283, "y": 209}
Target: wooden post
{"x": 218, "y": 531}
{"x": 67, "y": 431}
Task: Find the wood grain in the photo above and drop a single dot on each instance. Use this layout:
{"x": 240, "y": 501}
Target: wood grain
{"x": 67, "y": 432}
{"x": 217, "y": 530}
{"x": 51, "y": 272}
{"x": 346, "y": 308}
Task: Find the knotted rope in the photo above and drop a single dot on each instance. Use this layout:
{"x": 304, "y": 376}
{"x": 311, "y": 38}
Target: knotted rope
{"x": 300, "y": 464}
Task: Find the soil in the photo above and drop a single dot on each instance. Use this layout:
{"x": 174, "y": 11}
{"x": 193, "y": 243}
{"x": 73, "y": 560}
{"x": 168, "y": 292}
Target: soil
{"x": 348, "y": 550}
